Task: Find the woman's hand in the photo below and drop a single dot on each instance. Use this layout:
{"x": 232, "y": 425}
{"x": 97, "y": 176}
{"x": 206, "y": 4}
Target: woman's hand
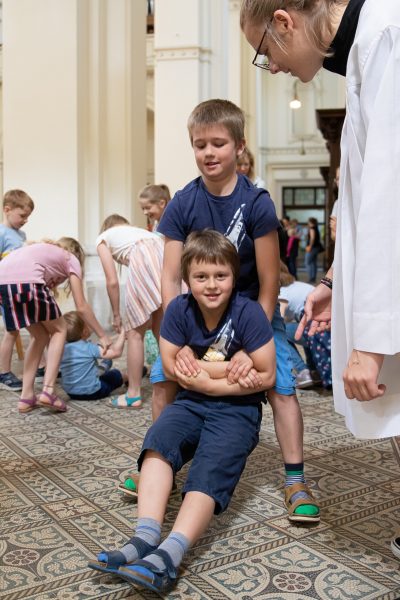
{"x": 186, "y": 362}
{"x": 361, "y": 376}
{"x": 317, "y": 310}
{"x": 117, "y": 323}
{"x": 239, "y": 366}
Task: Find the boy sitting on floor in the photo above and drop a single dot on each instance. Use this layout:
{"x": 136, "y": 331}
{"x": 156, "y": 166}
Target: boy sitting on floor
{"x": 213, "y": 422}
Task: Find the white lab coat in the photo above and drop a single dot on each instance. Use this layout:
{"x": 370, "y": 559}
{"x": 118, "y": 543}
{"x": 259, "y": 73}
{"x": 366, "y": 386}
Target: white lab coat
{"x": 366, "y": 298}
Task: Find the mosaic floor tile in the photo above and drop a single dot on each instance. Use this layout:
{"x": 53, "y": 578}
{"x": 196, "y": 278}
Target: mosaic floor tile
{"x": 59, "y": 505}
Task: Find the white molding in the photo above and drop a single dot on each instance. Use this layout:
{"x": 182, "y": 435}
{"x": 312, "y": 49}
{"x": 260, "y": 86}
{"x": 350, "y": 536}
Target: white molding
{"x": 182, "y": 53}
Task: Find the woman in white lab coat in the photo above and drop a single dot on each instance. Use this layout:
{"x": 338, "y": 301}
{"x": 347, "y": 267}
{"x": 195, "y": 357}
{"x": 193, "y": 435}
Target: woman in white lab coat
{"x": 359, "y": 39}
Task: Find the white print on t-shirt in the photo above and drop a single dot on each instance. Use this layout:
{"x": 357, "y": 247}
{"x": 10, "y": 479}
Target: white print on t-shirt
{"x": 218, "y": 350}
{"x": 236, "y": 229}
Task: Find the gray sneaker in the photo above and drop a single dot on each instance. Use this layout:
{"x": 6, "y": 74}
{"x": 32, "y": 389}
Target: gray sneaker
{"x": 9, "y": 381}
{"x": 304, "y": 379}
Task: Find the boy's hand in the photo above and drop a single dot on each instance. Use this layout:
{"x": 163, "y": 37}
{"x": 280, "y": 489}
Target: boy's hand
{"x": 252, "y": 380}
{"x": 105, "y": 342}
{"x": 198, "y": 383}
{"x": 239, "y": 366}
{"x": 186, "y": 362}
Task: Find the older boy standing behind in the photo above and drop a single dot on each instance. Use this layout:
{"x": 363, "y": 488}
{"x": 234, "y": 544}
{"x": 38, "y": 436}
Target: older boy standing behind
{"x": 17, "y": 208}
{"x": 229, "y": 203}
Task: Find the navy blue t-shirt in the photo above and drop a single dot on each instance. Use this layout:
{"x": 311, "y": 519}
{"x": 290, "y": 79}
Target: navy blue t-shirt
{"x": 243, "y": 326}
{"x": 243, "y": 216}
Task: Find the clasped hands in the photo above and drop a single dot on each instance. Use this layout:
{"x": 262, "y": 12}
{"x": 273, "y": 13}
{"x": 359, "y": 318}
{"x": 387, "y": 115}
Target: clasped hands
{"x": 191, "y": 375}
{"x": 361, "y": 374}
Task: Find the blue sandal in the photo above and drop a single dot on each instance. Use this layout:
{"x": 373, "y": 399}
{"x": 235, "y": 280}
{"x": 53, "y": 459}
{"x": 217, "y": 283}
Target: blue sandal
{"x": 109, "y": 562}
{"x": 149, "y": 576}
{"x": 124, "y": 401}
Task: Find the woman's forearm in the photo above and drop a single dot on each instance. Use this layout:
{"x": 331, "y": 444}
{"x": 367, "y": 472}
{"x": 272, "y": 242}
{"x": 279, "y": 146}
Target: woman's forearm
{"x": 113, "y": 294}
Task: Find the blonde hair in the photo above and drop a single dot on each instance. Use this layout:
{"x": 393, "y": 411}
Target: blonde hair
{"x": 209, "y": 246}
{"x": 18, "y": 199}
{"x": 317, "y": 22}
{"x": 218, "y": 112}
{"x": 75, "y": 326}
{"x": 285, "y": 278}
{"x": 113, "y": 220}
{"x": 155, "y": 193}
{"x": 249, "y": 155}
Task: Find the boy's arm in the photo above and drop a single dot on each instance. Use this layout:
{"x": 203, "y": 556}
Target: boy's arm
{"x": 171, "y": 273}
{"x": 85, "y": 311}
{"x": 168, "y": 353}
{"x": 112, "y": 282}
{"x": 268, "y": 269}
{"x": 264, "y": 358}
{"x": 117, "y": 347}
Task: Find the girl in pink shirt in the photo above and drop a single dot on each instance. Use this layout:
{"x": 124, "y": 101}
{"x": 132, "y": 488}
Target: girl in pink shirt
{"x": 28, "y": 277}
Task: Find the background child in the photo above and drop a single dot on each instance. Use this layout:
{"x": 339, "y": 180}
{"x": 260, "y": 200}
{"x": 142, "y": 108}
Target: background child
{"x": 292, "y": 250}
{"x": 142, "y": 252}
{"x": 245, "y": 166}
{"x": 227, "y": 202}
{"x": 17, "y": 208}
{"x": 28, "y": 276}
{"x": 79, "y": 368}
{"x": 153, "y": 199}
{"x": 215, "y": 322}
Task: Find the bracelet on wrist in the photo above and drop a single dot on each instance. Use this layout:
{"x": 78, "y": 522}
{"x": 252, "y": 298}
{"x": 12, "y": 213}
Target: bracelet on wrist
{"x": 327, "y": 281}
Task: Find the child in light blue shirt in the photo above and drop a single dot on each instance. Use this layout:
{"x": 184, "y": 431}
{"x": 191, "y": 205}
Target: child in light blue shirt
{"x": 80, "y": 376}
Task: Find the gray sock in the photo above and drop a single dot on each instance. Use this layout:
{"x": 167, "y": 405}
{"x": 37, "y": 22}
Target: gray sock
{"x": 176, "y": 545}
{"x": 148, "y": 530}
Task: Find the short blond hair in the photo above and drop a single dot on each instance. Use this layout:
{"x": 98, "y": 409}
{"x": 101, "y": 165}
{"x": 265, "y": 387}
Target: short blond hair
{"x": 249, "y": 155}
{"x": 218, "y": 112}
{"x": 18, "y": 199}
{"x": 209, "y": 246}
{"x": 75, "y": 326}
{"x": 155, "y": 193}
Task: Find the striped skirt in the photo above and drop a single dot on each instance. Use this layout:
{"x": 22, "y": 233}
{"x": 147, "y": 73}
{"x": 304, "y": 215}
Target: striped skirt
{"x": 143, "y": 286}
{"x": 25, "y": 304}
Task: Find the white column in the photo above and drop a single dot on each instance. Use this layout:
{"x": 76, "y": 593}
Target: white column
{"x": 74, "y": 111}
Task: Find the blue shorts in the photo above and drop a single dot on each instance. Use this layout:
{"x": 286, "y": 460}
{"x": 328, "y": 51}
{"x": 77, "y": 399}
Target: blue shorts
{"x": 218, "y": 436}
{"x": 157, "y": 373}
{"x": 285, "y": 380}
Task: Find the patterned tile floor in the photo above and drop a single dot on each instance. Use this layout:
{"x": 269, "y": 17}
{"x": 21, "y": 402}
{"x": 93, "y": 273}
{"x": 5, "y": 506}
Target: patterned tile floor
{"x": 59, "y": 505}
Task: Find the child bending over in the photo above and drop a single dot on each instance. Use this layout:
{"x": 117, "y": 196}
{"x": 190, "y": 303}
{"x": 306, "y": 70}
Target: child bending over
{"x": 79, "y": 369}
{"x": 212, "y": 422}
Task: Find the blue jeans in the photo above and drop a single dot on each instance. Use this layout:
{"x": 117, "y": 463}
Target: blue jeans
{"x": 311, "y": 264}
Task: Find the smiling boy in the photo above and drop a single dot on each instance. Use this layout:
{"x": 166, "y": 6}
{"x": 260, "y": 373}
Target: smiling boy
{"x": 212, "y": 422}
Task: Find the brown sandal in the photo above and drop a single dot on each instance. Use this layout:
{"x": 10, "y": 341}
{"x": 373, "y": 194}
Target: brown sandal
{"x": 290, "y": 490}
{"x": 51, "y": 402}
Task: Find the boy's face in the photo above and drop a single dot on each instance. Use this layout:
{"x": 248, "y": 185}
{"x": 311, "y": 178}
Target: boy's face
{"x": 215, "y": 152}
{"x": 211, "y": 285}
{"x": 16, "y": 217}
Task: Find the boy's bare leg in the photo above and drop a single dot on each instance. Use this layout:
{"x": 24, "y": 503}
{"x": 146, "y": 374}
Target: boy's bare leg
{"x": 156, "y": 478}
{"x": 288, "y": 422}
{"x": 194, "y": 516}
{"x": 163, "y": 394}
{"x": 6, "y": 350}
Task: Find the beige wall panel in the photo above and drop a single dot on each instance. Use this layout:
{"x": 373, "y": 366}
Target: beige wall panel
{"x": 40, "y": 110}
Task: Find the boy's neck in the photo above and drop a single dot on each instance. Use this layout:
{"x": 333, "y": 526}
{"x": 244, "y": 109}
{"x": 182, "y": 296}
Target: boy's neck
{"x": 224, "y": 187}
{"x": 213, "y": 317}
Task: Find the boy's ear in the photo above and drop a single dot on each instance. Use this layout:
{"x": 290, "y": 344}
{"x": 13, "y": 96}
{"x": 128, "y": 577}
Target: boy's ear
{"x": 240, "y": 147}
{"x": 283, "y": 22}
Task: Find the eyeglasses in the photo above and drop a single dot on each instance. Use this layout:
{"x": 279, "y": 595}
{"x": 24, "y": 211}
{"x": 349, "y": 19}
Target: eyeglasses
{"x": 261, "y": 60}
